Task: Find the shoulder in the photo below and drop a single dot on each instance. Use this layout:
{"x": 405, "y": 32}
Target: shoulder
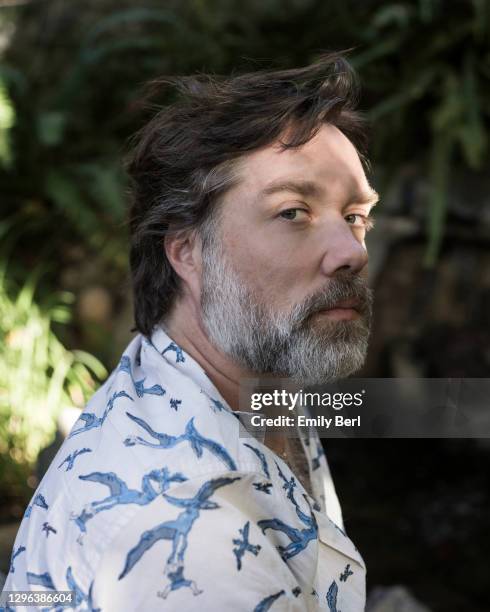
{"x": 203, "y": 537}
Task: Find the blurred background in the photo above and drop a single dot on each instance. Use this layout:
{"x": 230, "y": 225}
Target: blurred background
{"x": 70, "y": 84}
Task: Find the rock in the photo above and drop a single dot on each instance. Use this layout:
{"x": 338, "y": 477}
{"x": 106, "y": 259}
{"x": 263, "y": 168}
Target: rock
{"x": 393, "y": 599}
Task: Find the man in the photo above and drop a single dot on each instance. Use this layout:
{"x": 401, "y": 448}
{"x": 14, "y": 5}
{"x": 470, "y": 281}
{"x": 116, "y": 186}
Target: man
{"x": 249, "y": 214}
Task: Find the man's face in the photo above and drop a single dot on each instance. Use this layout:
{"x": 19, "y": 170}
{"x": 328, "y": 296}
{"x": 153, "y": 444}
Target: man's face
{"x": 290, "y": 247}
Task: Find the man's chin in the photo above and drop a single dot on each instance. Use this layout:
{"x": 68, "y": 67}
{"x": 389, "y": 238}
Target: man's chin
{"x": 330, "y": 351}
{"x": 331, "y": 373}
{"x": 333, "y": 328}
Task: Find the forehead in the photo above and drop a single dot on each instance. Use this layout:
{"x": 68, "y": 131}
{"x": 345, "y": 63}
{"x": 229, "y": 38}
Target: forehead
{"x": 328, "y": 159}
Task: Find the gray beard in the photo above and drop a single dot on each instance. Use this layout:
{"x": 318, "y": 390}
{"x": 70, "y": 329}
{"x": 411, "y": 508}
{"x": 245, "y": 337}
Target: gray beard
{"x": 290, "y": 345}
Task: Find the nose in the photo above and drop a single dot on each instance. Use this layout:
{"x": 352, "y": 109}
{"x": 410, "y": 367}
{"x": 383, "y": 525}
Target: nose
{"x": 344, "y": 251}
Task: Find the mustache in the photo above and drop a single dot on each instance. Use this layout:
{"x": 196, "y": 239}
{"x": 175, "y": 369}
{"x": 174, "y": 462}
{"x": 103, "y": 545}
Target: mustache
{"x": 340, "y": 288}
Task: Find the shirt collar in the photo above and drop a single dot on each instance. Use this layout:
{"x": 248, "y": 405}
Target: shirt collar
{"x": 178, "y": 358}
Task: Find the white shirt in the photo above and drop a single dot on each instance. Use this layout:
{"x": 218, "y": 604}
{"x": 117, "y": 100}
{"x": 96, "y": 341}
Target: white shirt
{"x": 155, "y": 502}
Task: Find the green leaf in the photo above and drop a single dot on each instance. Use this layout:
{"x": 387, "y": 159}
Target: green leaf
{"x": 471, "y": 133}
{"x": 36, "y": 371}
{"x": 91, "y": 362}
{"x": 51, "y": 127}
{"x": 105, "y": 184}
{"x": 396, "y": 14}
{"x": 130, "y": 17}
{"x": 68, "y": 198}
{"x": 439, "y": 182}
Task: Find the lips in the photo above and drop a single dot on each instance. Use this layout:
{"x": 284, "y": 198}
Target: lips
{"x": 345, "y": 304}
{"x": 343, "y": 298}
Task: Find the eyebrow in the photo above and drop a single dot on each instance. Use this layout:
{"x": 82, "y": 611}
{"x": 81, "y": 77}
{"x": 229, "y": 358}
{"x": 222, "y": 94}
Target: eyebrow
{"x": 312, "y": 189}
{"x": 303, "y": 188}
{"x": 370, "y": 198}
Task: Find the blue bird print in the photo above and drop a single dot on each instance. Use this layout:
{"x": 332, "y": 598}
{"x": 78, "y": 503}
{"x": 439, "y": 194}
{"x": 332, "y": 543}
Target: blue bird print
{"x": 48, "y": 529}
{"x": 91, "y": 421}
{"x": 38, "y": 501}
{"x": 242, "y": 545}
{"x": 300, "y": 538}
{"x": 191, "y": 435}
{"x": 179, "y": 354}
{"x": 44, "y": 580}
{"x": 332, "y": 593}
{"x": 177, "y": 580}
{"x": 177, "y": 531}
{"x": 80, "y": 596}
{"x": 15, "y": 554}
{"x": 267, "y": 602}
{"x": 265, "y": 487}
{"x": 139, "y": 385}
{"x": 346, "y": 573}
{"x": 137, "y": 358}
{"x": 153, "y": 484}
{"x": 261, "y": 456}
{"x": 70, "y": 459}
{"x": 217, "y": 405}
{"x": 175, "y": 403}
{"x": 289, "y": 485}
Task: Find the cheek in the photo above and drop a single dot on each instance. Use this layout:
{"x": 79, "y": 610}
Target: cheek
{"x": 280, "y": 268}
{"x": 280, "y": 277}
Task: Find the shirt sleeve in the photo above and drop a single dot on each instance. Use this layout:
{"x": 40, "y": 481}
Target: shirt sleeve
{"x": 198, "y": 547}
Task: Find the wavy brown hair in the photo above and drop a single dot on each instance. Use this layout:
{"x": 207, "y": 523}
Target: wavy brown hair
{"x": 185, "y": 158}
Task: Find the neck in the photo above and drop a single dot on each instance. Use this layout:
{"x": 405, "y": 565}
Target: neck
{"x": 184, "y": 327}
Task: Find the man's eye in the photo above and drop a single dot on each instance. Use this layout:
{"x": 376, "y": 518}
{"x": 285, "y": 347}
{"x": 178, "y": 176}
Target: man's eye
{"x": 362, "y": 221}
{"x": 292, "y": 214}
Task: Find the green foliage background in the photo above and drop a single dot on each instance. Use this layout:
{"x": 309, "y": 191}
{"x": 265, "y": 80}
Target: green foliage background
{"x": 71, "y": 75}
{"x": 38, "y": 378}
{"x": 70, "y": 81}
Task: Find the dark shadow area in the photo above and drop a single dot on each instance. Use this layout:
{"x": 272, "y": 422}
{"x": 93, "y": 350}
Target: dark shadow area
{"x": 418, "y": 512}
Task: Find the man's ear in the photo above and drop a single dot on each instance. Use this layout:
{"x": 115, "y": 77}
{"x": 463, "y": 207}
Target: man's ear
{"x": 183, "y": 250}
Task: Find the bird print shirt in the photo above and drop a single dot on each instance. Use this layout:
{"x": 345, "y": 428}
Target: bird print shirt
{"x": 156, "y": 501}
